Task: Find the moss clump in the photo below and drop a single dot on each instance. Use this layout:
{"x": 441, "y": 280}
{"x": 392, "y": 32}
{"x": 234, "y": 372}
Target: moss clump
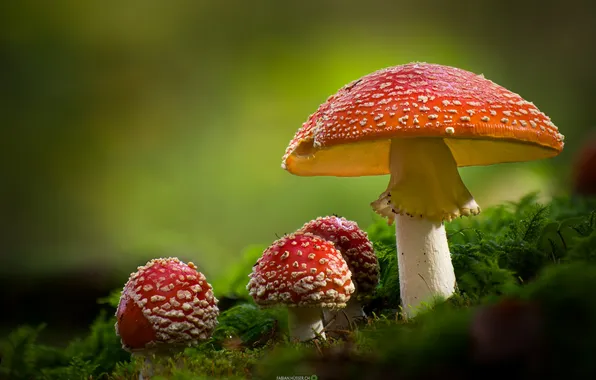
{"x": 203, "y": 362}
{"x": 248, "y": 326}
{"x": 525, "y": 307}
{"x": 95, "y": 355}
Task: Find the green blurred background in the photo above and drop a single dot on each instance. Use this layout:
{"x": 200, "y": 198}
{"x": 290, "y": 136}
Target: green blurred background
{"x": 136, "y": 129}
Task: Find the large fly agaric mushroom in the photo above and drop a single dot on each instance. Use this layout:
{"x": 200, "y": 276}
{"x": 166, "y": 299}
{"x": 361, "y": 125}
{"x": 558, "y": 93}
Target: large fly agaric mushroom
{"x": 166, "y": 305}
{"x": 357, "y": 250}
{"x": 305, "y": 273}
{"x": 419, "y": 122}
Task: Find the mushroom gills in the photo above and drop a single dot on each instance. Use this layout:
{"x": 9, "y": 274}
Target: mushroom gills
{"x": 425, "y": 182}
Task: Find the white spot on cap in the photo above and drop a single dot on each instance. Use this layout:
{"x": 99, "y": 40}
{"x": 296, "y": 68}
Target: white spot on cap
{"x": 184, "y": 294}
{"x": 157, "y": 298}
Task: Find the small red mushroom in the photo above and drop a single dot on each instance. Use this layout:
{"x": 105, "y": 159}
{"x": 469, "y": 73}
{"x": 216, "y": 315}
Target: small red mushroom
{"x": 584, "y": 170}
{"x": 305, "y": 273}
{"x": 360, "y": 256}
{"x": 165, "y": 305}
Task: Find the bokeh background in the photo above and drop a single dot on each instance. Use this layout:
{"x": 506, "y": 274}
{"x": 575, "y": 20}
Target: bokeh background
{"x": 136, "y": 129}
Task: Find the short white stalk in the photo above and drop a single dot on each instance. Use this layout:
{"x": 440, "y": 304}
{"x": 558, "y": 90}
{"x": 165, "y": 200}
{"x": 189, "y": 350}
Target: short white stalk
{"x": 147, "y": 370}
{"x": 425, "y": 268}
{"x": 343, "y": 319}
{"x": 151, "y": 360}
{"x": 305, "y": 323}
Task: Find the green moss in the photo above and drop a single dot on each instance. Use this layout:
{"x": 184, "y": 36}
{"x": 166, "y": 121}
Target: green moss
{"x": 96, "y": 354}
{"x": 202, "y": 362}
{"x": 528, "y": 268}
{"x": 249, "y": 326}
{"x": 387, "y": 294}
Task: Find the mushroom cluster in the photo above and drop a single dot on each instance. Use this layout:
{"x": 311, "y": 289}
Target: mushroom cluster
{"x": 317, "y": 268}
{"x": 419, "y": 123}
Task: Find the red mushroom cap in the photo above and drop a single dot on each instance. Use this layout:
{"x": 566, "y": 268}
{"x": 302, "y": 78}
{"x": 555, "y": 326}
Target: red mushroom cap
{"x": 301, "y": 269}
{"x": 481, "y": 122}
{"x": 166, "y": 302}
{"x": 354, "y": 245}
{"x": 584, "y": 171}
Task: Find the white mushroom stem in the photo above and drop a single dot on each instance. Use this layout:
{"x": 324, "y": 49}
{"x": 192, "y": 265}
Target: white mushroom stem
{"x": 343, "y": 319}
{"x": 424, "y": 261}
{"x": 424, "y": 190}
{"x": 151, "y": 367}
{"x": 305, "y": 323}
{"x": 147, "y": 371}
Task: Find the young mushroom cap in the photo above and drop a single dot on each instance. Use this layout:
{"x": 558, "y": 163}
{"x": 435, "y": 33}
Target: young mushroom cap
{"x": 481, "y": 122}
{"x": 165, "y": 303}
{"x": 301, "y": 270}
{"x": 354, "y": 245}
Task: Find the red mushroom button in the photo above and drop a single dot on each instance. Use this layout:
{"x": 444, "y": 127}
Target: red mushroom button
{"x": 354, "y": 245}
{"x": 166, "y": 303}
{"x": 305, "y": 273}
{"x": 358, "y": 252}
